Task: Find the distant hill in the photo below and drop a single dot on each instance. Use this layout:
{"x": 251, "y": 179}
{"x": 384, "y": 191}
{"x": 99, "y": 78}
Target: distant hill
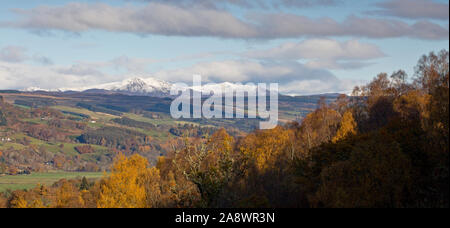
{"x": 151, "y": 87}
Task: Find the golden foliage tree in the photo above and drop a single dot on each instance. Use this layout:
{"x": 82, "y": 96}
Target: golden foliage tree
{"x": 125, "y": 188}
{"x": 18, "y": 200}
{"x": 265, "y": 148}
{"x": 348, "y": 127}
{"x": 67, "y": 196}
{"x": 208, "y": 164}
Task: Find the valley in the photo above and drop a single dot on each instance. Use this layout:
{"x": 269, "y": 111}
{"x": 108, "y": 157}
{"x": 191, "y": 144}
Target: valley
{"x": 82, "y": 132}
{"x": 20, "y": 182}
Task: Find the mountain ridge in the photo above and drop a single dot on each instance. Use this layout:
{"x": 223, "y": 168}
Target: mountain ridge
{"x": 152, "y": 87}
{"x": 140, "y": 86}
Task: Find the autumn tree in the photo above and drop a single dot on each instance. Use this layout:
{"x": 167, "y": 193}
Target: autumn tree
{"x": 176, "y": 189}
{"x": 3, "y": 201}
{"x": 318, "y": 127}
{"x": 432, "y": 77}
{"x": 209, "y": 165}
{"x": 413, "y": 106}
{"x": 125, "y": 188}
{"x": 375, "y": 175}
{"x": 267, "y": 179}
{"x": 68, "y": 196}
{"x": 17, "y": 200}
{"x": 347, "y": 127}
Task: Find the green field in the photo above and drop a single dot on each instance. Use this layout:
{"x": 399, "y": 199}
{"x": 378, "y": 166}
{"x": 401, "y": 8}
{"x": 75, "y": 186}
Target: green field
{"x": 93, "y": 115}
{"x": 164, "y": 121}
{"x": 69, "y": 148}
{"x": 20, "y": 182}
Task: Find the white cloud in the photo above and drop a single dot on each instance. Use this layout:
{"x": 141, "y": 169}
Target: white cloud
{"x": 289, "y": 25}
{"x": 42, "y": 59}
{"x": 218, "y": 4}
{"x": 19, "y": 76}
{"x": 79, "y": 70}
{"x": 24, "y": 75}
{"x": 132, "y": 64}
{"x": 279, "y": 65}
{"x": 311, "y": 87}
{"x": 414, "y": 9}
{"x": 323, "y": 53}
{"x": 293, "y": 77}
{"x": 13, "y": 54}
{"x": 175, "y": 20}
{"x": 17, "y": 54}
{"x": 153, "y": 18}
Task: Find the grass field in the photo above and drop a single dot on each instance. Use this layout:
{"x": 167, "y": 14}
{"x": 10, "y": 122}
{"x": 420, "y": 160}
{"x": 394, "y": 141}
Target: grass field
{"x": 69, "y": 148}
{"x": 30, "y": 181}
{"x": 93, "y": 115}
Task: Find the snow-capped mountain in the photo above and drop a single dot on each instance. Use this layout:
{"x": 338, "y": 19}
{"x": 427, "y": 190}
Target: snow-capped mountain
{"x": 132, "y": 86}
{"x": 137, "y": 86}
{"x": 146, "y": 87}
{"x": 225, "y": 86}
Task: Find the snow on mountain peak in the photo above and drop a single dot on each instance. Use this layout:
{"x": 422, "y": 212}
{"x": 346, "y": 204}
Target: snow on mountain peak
{"x": 137, "y": 85}
{"x": 148, "y": 87}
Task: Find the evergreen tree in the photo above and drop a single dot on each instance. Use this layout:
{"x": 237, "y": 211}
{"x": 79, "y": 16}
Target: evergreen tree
{"x": 3, "y": 120}
{"x": 84, "y": 184}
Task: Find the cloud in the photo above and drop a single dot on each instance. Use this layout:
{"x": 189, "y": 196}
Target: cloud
{"x": 293, "y": 77}
{"x": 79, "y": 75}
{"x": 306, "y": 3}
{"x": 174, "y": 20}
{"x": 13, "y": 54}
{"x": 311, "y": 87}
{"x": 322, "y": 53}
{"x": 132, "y": 64}
{"x": 20, "y": 76}
{"x": 249, "y": 4}
{"x": 42, "y": 59}
{"x": 118, "y": 64}
{"x": 414, "y": 9}
{"x": 17, "y": 54}
{"x": 85, "y": 45}
{"x": 289, "y": 25}
{"x": 79, "y": 70}
{"x": 153, "y": 18}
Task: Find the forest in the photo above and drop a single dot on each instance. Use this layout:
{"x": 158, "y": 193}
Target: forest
{"x": 385, "y": 146}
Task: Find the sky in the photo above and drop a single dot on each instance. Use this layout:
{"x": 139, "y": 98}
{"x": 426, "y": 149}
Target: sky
{"x": 307, "y": 46}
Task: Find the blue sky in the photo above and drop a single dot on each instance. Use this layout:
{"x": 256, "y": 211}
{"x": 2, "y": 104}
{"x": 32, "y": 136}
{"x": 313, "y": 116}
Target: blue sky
{"x": 310, "y": 47}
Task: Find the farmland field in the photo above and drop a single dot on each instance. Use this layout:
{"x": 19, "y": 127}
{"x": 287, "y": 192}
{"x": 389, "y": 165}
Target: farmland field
{"x": 20, "y": 182}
